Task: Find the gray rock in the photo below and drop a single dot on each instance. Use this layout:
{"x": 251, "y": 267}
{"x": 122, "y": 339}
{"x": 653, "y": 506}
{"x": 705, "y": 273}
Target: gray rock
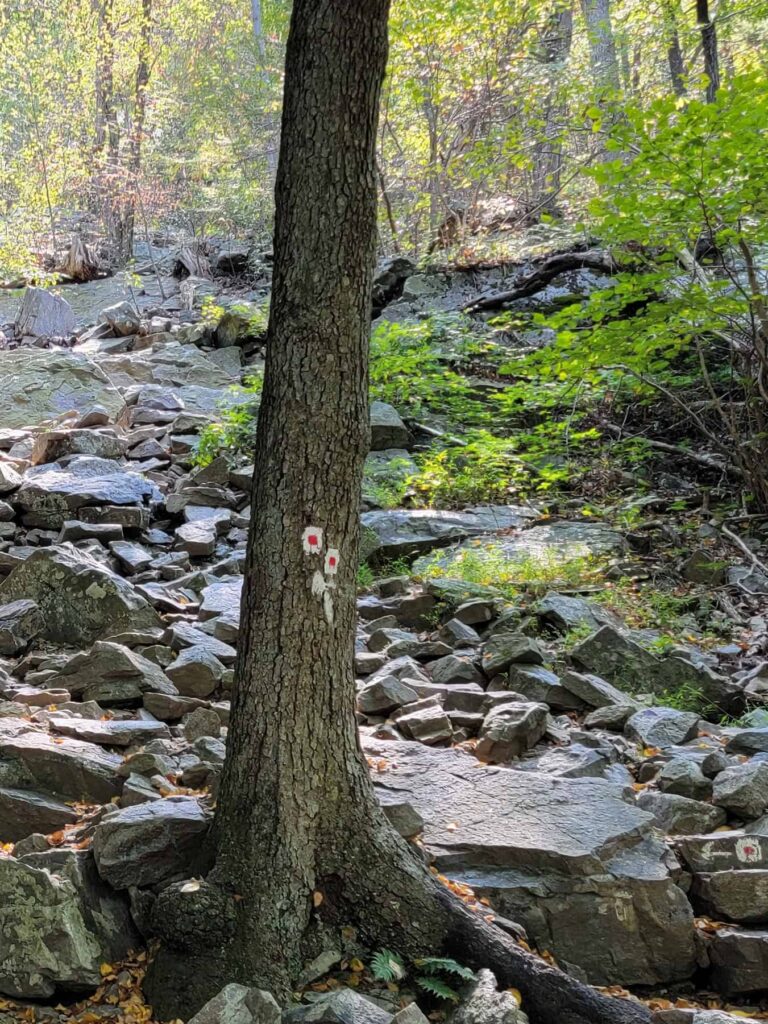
{"x": 23, "y": 812}
{"x": 596, "y": 692}
{"x": 198, "y": 539}
{"x": 67, "y": 768}
{"x": 238, "y": 1004}
{"x": 482, "y": 1003}
{"x": 679, "y": 816}
{"x": 20, "y": 622}
{"x": 510, "y": 729}
{"x": 58, "y": 924}
{"x": 41, "y": 384}
{"x": 44, "y": 315}
{"x": 150, "y": 843}
{"x": 567, "y": 858}
{"x": 132, "y": 557}
{"x": 10, "y": 480}
{"x": 454, "y": 668}
{"x": 52, "y": 492}
{"x": 201, "y": 722}
{"x": 684, "y": 778}
{"x": 610, "y": 654}
{"x": 743, "y": 789}
{"x": 538, "y": 684}
{"x": 123, "y": 318}
{"x": 384, "y": 695}
{"x": 389, "y": 534}
{"x": 343, "y": 1006}
{"x": 402, "y": 816}
{"x": 748, "y": 741}
{"x": 387, "y": 429}
{"x": 112, "y": 675}
{"x": 564, "y": 613}
{"x": 80, "y": 599}
{"x": 724, "y": 851}
{"x": 740, "y": 896}
{"x": 222, "y": 597}
{"x": 662, "y": 727}
{"x": 506, "y": 649}
{"x": 108, "y": 733}
{"x": 195, "y": 672}
{"x": 425, "y": 721}
{"x": 738, "y": 960}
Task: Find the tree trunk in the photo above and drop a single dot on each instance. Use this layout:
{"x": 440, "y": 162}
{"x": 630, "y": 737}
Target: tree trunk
{"x": 709, "y": 48}
{"x": 548, "y": 159}
{"x": 302, "y": 855}
{"x": 128, "y": 220}
{"x": 602, "y": 45}
{"x": 674, "y": 50}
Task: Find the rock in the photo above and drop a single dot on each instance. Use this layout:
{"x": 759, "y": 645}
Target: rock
{"x": 23, "y": 812}
{"x": 506, "y": 649}
{"x": 569, "y": 859}
{"x": 684, "y": 778}
{"x": 198, "y": 539}
{"x": 41, "y": 384}
{"x": 678, "y": 816}
{"x": 538, "y": 684}
{"x": 701, "y": 567}
{"x": 112, "y": 675}
{"x": 343, "y": 1006}
{"x": 723, "y": 851}
{"x": 58, "y": 924}
{"x": 80, "y": 599}
{"x": 425, "y": 721}
{"x": 610, "y": 654}
{"x": 390, "y": 534}
{"x": 387, "y": 429}
{"x": 662, "y": 727}
{"x": 738, "y": 960}
{"x": 109, "y": 733}
{"x": 482, "y": 1003}
{"x": 195, "y": 672}
{"x": 10, "y": 480}
{"x": 454, "y": 668}
{"x": 132, "y": 557}
{"x": 743, "y": 789}
{"x": 384, "y": 695}
{"x": 740, "y": 896}
{"x": 222, "y": 597}
{"x": 402, "y": 816}
{"x": 748, "y": 741}
{"x": 52, "y": 492}
{"x": 565, "y": 613}
{"x": 596, "y": 692}
{"x": 238, "y": 1004}
{"x": 67, "y": 768}
{"x": 150, "y": 843}
{"x": 611, "y": 717}
{"x": 123, "y": 318}
{"x": 44, "y": 315}
{"x": 20, "y": 622}
{"x": 170, "y": 708}
{"x": 201, "y": 722}
{"x": 509, "y": 729}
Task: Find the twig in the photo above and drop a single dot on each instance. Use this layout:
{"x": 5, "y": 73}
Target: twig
{"x": 735, "y": 539}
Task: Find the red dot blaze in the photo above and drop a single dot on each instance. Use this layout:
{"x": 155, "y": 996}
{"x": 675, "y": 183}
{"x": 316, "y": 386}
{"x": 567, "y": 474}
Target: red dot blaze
{"x": 312, "y": 539}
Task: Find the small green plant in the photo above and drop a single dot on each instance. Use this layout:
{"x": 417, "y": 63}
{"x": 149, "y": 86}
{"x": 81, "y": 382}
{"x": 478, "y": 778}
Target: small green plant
{"x": 429, "y": 973}
{"x": 234, "y": 433}
{"x": 685, "y": 697}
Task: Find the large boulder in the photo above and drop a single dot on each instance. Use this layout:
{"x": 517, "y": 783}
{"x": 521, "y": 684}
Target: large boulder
{"x": 238, "y": 1004}
{"x": 80, "y": 599}
{"x": 68, "y": 768}
{"x": 58, "y": 924}
{"x": 570, "y": 859}
{"x": 42, "y": 384}
{"x": 111, "y": 674}
{"x": 387, "y": 429}
{"x": 389, "y": 534}
{"x": 44, "y": 315}
{"x": 150, "y": 843}
{"x": 24, "y": 811}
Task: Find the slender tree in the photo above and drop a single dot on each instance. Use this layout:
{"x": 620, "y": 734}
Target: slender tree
{"x": 301, "y": 852}
{"x": 602, "y": 44}
{"x": 709, "y": 48}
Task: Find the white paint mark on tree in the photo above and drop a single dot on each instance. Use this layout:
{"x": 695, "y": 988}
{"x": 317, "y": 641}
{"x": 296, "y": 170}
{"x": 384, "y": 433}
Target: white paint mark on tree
{"x": 312, "y": 540}
{"x": 332, "y": 562}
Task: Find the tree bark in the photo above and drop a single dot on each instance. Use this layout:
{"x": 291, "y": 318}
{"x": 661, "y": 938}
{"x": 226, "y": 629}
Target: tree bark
{"x": 675, "y": 57}
{"x": 128, "y": 219}
{"x": 548, "y": 159}
{"x": 302, "y": 855}
{"x": 602, "y": 45}
{"x": 709, "y": 48}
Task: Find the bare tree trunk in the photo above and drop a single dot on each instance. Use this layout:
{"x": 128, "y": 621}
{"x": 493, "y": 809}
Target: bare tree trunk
{"x": 709, "y": 48}
{"x": 602, "y": 45}
{"x": 106, "y": 143}
{"x": 548, "y": 158}
{"x": 128, "y": 221}
{"x": 258, "y": 27}
{"x": 674, "y": 50}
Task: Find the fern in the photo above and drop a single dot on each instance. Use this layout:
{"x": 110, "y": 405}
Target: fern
{"x": 444, "y": 965}
{"x": 437, "y": 987}
{"x": 387, "y": 966}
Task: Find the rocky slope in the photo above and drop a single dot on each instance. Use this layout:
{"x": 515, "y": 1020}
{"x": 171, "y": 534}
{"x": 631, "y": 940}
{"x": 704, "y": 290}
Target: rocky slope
{"x": 627, "y": 839}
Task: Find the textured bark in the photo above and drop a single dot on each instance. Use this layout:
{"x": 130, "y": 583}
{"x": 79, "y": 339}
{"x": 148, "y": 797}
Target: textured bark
{"x": 675, "y": 57}
{"x": 602, "y": 45}
{"x": 709, "y": 48}
{"x": 548, "y": 160}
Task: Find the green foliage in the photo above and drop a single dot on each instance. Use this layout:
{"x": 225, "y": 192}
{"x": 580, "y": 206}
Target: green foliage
{"x": 429, "y": 973}
{"x": 234, "y": 433}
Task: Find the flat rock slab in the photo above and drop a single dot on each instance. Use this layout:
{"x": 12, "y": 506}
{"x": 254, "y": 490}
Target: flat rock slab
{"x": 41, "y": 384}
{"x": 24, "y": 811}
{"x": 84, "y": 480}
{"x": 579, "y": 867}
{"x": 67, "y": 768}
{"x": 404, "y": 531}
{"x": 222, "y": 598}
{"x": 109, "y": 734}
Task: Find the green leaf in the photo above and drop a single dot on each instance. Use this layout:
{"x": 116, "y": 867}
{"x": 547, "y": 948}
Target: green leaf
{"x": 387, "y": 966}
{"x": 437, "y": 988}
